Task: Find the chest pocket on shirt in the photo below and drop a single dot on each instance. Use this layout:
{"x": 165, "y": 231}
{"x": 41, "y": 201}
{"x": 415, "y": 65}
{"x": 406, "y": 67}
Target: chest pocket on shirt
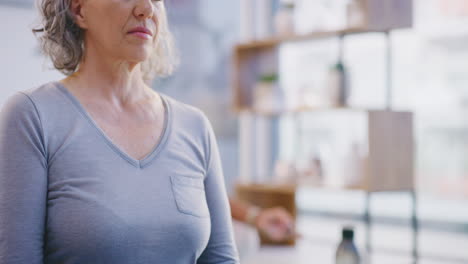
{"x": 189, "y": 194}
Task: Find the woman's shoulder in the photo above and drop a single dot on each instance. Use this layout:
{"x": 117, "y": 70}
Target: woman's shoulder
{"x": 30, "y": 99}
{"x": 43, "y": 94}
{"x": 22, "y": 110}
{"x": 187, "y": 114}
{"x": 43, "y": 103}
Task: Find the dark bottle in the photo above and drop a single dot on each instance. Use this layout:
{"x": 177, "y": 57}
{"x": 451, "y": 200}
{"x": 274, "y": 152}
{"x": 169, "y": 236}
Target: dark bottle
{"x": 347, "y": 252}
{"x": 343, "y": 94}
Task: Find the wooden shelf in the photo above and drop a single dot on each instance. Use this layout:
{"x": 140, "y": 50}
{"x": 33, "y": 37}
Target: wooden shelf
{"x": 276, "y": 188}
{"x": 274, "y": 41}
{"x": 301, "y": 110}
{"x": 291, "y": 188}
{"x": 361, "y": 188}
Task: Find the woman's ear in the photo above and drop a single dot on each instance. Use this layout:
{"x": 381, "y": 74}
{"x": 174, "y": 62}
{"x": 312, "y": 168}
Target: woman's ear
{"x": 78, "y": 11}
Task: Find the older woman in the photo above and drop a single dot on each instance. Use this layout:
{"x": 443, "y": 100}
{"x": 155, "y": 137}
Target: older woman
{"x": 99, "y": 168}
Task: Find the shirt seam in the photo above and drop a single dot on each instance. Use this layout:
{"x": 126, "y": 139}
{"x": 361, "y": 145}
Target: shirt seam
{"x": 40, "y": 123}
{"x": 209, "y": 147}
{"x": 46, "y": 154}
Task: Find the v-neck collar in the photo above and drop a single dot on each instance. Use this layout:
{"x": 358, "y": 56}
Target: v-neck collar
{"x": 135, "y": 162}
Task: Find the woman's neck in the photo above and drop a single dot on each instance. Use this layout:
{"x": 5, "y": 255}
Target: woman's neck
{"x": 105, "y": 78}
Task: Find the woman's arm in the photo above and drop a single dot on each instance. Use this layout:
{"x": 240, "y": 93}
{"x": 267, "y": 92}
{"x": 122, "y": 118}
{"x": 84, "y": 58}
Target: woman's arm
{"x": 23, "y": 183}
{"x": 221, "y": 247}
{"x": 240, "y": 210}
{"x": 275, "y": 223}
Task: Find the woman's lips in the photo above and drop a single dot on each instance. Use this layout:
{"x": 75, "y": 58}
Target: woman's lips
{"x": 141, "y": 35}
{"x": 141, "y": 32}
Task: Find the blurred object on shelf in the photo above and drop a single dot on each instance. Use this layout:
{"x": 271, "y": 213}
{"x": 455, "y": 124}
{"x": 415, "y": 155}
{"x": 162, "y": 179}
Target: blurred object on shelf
{"x": 355, "y": 14}
{"x": 312, "y": 171}
{"x": 338, "y": 85}
{"x": 385, "y": 15}
{"x": 454, "y": 7}
{"x": 355, "y": 166}
{"x": 320, "y": 15}
{"x": 284, "y": 19}
{"x": 246, "y": 19}
{"x": 316, "y": 169}
{"x": 285, "y": 172}
{"x": 308, "y": 96}
{"x": 255, "y": 19}
{"x": 263, "y": 18}
{"x": 268, "y": 95}
{"x": 335, "y": 163}
{"x": 329, "y": 15}
{"x": 270, "y": 196}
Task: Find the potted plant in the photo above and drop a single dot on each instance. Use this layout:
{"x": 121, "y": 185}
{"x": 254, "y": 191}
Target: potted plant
{"x": 268, "y": 97}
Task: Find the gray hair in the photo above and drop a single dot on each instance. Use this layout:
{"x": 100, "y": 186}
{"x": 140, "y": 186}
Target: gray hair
{"x": 63, "y": 41}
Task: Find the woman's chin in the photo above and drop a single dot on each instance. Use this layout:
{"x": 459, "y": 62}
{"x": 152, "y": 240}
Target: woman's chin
{"x": 138, "y": 58}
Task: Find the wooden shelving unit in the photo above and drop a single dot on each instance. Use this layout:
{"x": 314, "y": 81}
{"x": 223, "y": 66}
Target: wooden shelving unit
{"x": 390, "y": 133}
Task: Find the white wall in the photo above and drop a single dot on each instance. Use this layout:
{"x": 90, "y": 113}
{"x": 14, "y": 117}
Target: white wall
{"x": 21, "y": 65}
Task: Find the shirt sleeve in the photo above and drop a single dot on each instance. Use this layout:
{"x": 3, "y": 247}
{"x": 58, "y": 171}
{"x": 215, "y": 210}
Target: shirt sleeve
{"x": 23, "y": 183}
{"x": 221, "y": 248}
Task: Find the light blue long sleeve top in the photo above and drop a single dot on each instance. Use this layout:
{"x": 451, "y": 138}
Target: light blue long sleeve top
{"x": 69, "y": 195}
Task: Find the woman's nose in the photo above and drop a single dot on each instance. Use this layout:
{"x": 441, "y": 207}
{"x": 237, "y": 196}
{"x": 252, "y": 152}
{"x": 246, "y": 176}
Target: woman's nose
{"x": 144, "y": 9}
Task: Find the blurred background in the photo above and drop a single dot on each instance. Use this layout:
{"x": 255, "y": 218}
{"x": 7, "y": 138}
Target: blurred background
{"x": 361, "y": 105}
